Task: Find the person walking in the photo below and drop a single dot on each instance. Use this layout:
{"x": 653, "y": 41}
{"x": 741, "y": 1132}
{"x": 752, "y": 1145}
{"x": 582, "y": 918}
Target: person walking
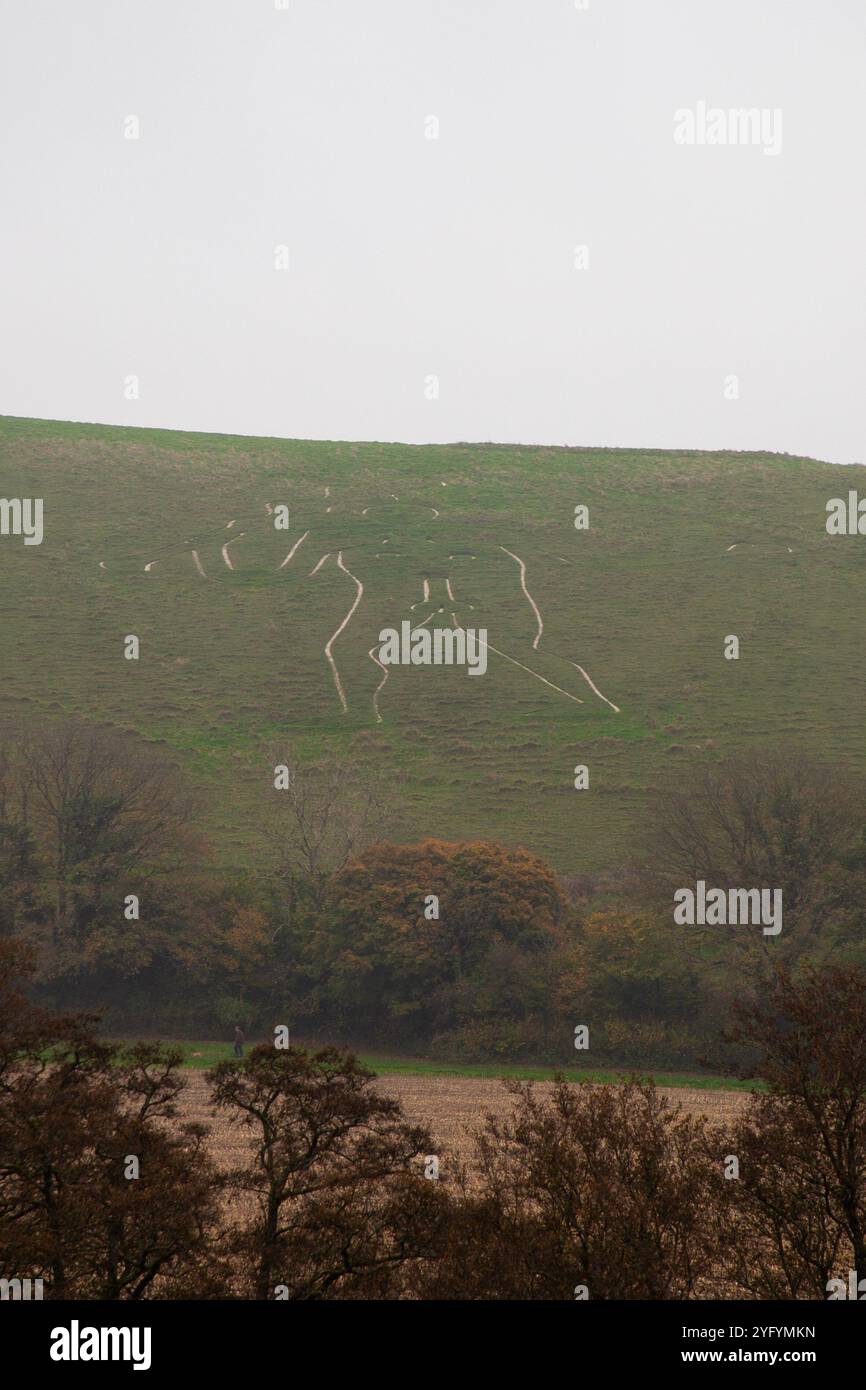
{"x": 239, "y": 1042}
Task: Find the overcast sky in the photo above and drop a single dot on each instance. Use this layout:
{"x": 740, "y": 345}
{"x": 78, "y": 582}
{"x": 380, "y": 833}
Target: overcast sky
{"x": 719, "y": 301}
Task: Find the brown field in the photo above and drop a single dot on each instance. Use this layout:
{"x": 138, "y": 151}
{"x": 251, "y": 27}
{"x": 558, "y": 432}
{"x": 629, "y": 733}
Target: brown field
{"x": 450, "y": 1107}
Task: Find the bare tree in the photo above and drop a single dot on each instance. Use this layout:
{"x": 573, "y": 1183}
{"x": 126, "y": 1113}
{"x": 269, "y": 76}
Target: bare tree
{"x": 73, "y": 1111}
{"x": 329, "y": 811}
{"x": 801, "y": 1198}
{"x": 609, "y": 1187}
{"x": 771, "y": 819}
{"x": 18, "y": 852}
{"x": 105, "y": 805}
{"x": 340, "y": 1203}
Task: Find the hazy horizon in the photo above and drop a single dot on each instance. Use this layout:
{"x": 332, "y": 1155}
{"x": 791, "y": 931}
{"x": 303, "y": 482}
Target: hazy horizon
{"x": 442, "y": 221}
{"x": 440, "y": 443}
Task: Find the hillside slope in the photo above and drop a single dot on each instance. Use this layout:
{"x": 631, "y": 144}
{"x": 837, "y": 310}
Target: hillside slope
{"x": 682, "y": 549}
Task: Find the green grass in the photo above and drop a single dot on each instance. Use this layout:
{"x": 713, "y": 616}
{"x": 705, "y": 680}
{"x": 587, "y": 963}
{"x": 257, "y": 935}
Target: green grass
{"x": 231, "y": 663}
{"x": 383, "y": 1064}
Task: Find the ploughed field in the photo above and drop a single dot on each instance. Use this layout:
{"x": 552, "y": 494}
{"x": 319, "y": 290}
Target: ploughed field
{"x": 450, "y": 1107}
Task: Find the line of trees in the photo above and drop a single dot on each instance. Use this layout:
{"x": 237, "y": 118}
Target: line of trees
{"x": 605, "y": 1193}
{"x": 465, "y": 950}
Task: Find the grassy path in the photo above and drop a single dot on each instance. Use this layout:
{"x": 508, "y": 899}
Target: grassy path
{"x": 200, "y": 1055}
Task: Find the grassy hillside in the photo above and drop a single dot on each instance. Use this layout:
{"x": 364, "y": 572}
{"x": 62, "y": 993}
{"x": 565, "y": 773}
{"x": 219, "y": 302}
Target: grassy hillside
{"x": 642, "y": 601}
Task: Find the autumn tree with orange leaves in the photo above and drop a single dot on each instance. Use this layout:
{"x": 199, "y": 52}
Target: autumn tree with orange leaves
{"x": 414, "y": 935}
